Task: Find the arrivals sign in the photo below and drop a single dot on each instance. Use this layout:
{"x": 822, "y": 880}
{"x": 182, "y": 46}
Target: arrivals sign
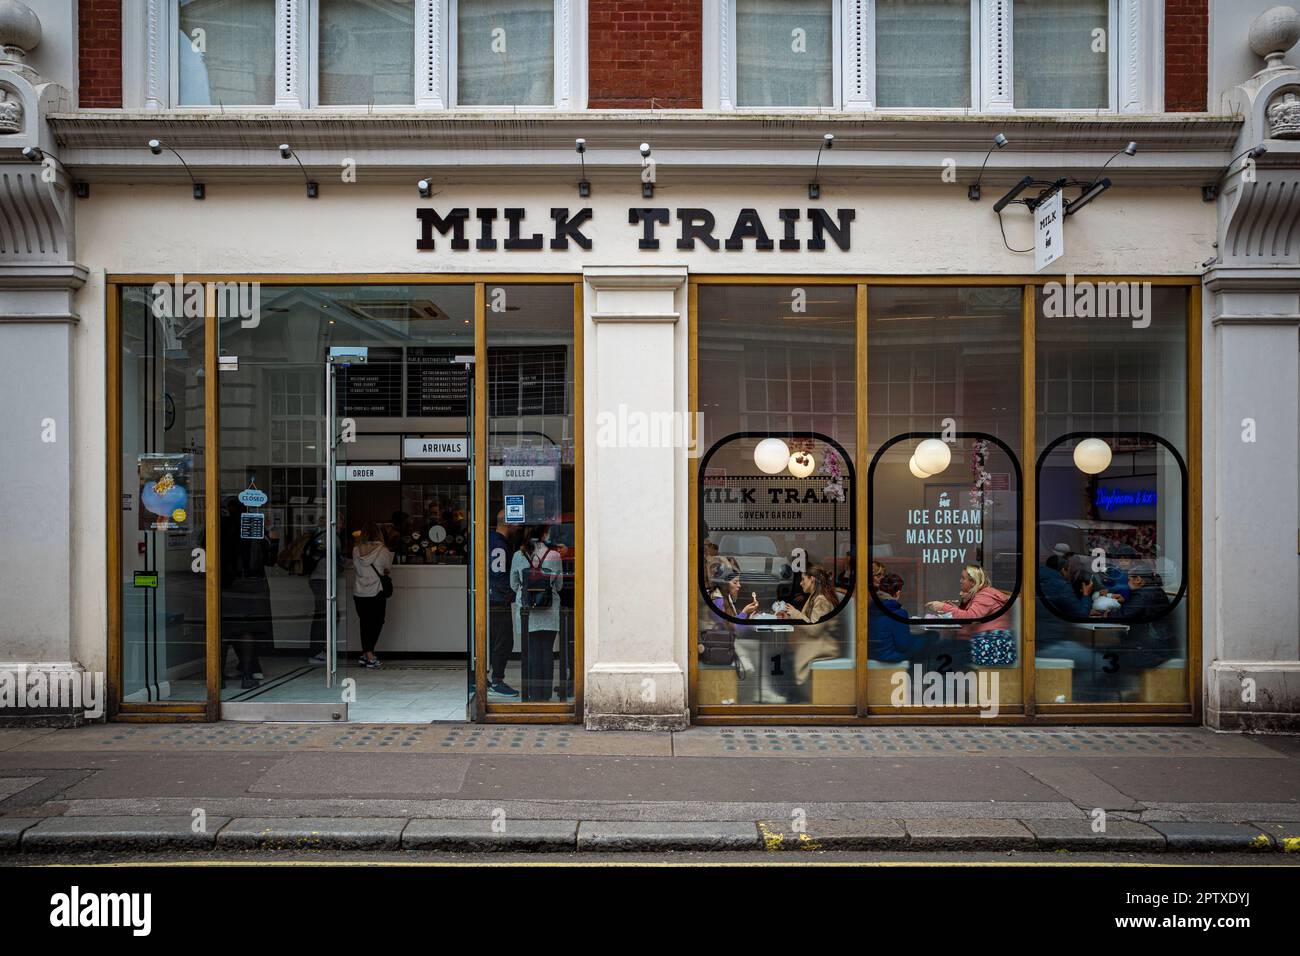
{"x": 517, "y": 229}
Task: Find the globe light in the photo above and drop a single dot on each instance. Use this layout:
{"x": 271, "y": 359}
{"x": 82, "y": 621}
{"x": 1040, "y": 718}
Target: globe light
{"x": 933, "y": 456}
{"x": 802, "y": 464}
{"x": 915, "y": 469}
{"x": 1092, "y": 456}
{"x": 771, "y": 455}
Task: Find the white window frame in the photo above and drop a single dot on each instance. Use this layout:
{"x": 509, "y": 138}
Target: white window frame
{"x": 1135, "y": 52}
{"x": 151, "y": 78}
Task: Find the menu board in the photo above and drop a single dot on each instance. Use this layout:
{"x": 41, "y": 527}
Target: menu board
{"x": 528, "y": 381}
{"x": 436, "y": 384}
{"x": 372, "y": 389}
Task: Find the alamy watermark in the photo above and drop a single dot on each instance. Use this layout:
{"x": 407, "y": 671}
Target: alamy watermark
{"x": 923, "y": 688}
{"x": 628, "y": 428}
{"x": 53, "y": 690}
{"x": 1098, "y": 300}
{"x": 230, "y": 300}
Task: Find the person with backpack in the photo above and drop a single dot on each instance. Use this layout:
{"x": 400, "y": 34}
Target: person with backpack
{"x": 501, "y": 634}
{"x": 537, "y": 577}
{"x": 371, "y": 589}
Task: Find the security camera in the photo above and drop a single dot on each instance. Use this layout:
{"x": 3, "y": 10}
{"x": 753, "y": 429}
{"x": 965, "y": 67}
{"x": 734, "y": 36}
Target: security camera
{"x": 1000, "y": 140}
{"x": 580, "y": 145}
{"x": 285, "y": 151}
{"x": 32, "y": 154}
{"x": 155, "y": 147}
{"x": 1131, "y": 149}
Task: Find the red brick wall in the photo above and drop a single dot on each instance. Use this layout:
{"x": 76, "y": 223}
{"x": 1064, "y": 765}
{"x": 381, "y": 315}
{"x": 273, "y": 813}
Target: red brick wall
{"x": 1186, "y": 55}
{"x": 100, "y": 54}
{"x": 638, "y": 49}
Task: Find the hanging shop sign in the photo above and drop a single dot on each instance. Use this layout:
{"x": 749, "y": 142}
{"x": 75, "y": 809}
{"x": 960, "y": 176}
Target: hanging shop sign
{"x": 682, "y": 229}
{"x": 1049, "y": 232}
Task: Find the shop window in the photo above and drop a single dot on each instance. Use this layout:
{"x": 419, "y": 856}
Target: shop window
{"x": 531, "y": 362}
{"x": 164, "y": 503}
{"x": 988, "y": 55}
{"x": 944, "y": 512}
{"x": 225, "y": 52}
{"x": 774, "y": 580}
{"x": 1112, "y": 542}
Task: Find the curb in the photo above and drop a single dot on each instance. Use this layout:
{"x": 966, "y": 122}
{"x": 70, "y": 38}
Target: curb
{"x": 147, "y": 834}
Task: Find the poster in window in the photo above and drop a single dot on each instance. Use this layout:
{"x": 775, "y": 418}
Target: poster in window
{"x": 165, "y": 491}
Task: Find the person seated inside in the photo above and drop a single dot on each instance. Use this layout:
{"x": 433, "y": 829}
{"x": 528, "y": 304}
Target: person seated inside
{"x": 890, "y": 640}
{"x": 1150, "y": 640}
{"x": 985, "y": 607}
{"x": 1057, "y": 591}
{"x": 816, "y": 640}
{"x": 727, "y": 592}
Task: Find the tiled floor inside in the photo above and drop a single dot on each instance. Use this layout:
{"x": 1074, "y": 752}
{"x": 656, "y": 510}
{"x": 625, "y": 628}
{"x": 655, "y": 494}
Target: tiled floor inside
{"x": 400, "y": 691}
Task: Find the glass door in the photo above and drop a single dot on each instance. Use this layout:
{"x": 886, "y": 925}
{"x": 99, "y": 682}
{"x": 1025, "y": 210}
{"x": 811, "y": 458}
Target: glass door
{"x": 345, "y": 425}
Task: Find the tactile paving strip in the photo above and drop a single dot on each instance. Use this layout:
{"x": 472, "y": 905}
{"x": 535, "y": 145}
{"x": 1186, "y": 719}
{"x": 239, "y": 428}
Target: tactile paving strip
{"x": 963, "y": 741}
{"x": 353, "y": 738}
{"x": 504, "y": 740}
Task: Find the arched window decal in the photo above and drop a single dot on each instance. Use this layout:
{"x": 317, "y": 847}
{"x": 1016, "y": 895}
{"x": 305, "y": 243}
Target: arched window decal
{"x": 1014, "y": 591}
{"x": 1118, "y": 440}
{"x": 839, "y": 510}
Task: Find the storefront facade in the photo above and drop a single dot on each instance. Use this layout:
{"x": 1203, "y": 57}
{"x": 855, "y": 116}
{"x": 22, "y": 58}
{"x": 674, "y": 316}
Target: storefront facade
{"x": 804, "y": 432}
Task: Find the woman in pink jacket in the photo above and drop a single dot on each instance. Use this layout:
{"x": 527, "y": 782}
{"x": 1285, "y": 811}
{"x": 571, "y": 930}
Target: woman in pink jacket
{"x": 992, "y": 642}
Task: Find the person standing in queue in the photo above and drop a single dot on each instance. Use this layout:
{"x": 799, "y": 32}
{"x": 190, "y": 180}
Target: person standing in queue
{"x": 501, "y": 632}
{"x": 536, "y": 577}
{"x": 373, "y": 562}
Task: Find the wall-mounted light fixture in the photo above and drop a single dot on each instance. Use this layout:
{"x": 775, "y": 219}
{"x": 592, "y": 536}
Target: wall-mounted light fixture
{"x": 647, "y": 184}
{"x": 425, "y": 188}
{"x": 815, "y": 187}
{"x": 313, "y": 188}
{"x": 584, "y": 187}
{"x": 157, "y": 146}
{"x": 1211, "y": 192}
{"x": 34, "y": 154}
{"x": 973, "y": 192}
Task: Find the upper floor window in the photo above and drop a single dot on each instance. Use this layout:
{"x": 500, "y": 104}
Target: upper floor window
{"x": 980, "y": 55}
{"x": 296, "y": 54}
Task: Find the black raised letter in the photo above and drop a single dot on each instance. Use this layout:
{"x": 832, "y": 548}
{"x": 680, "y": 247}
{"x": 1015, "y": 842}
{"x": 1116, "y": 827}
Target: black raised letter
{"x": 485, "y": 240}
{"x": 566, "y": 228}
{"x": 430, "y": 220}
{"x": 647, "y": 218}
{"x": 748, "y": 225}
{"x": 789, "y": 217}
{"x": 514, "y": 241}
{"x": 696, "y": 224}
{"x": 821, "y": 222}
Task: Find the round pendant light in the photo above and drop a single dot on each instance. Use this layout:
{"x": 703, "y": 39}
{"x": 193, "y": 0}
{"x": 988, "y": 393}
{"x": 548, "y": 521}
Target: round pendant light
{"x": 802, "y": 464}
{"x": 933, "y": 456}
{"x": 771, "y": 455}
{"x": 1092, "y": 456}
{"x": 915, "y": 469}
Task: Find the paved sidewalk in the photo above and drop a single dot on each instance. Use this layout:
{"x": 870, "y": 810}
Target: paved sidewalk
{"x": 469, "y": 789}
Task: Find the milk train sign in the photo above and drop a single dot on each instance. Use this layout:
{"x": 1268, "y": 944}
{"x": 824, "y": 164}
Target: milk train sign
{"x": 512, "y": 229}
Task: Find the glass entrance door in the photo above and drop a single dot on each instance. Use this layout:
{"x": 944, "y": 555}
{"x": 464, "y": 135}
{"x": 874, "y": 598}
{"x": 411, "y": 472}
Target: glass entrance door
{"x": 346, "y": 423}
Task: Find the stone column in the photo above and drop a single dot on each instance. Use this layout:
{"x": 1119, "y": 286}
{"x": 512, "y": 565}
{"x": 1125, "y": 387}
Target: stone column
{"x": 1252, "y": 394}
{"x": 635, "y": 498}
{"x": 38, "y": 276}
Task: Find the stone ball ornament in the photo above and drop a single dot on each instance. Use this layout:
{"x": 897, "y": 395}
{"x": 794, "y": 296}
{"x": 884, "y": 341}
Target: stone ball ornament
{"x": 20, "y": 28}
{"x": 1273, "y": 32}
